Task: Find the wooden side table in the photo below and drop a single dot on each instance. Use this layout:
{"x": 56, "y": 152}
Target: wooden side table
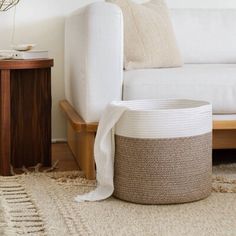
{"x": 25, "y": 113}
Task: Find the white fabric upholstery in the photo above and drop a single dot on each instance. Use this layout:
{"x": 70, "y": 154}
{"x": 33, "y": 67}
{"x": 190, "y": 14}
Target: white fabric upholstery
{"x": 206, "y": 35}
{"x": 215, "y": 83}
{"x": 94, "y": 58}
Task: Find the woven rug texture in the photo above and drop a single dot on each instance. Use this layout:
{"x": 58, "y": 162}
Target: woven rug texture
{"x": 42, "y": 204}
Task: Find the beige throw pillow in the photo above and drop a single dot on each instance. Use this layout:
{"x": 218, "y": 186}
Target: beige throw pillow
{"x": 149, "y": 37}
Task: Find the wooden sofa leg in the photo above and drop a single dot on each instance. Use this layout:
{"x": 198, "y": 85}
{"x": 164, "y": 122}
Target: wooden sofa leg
{"x": 81, "y": 145}
{"x": 86, "y": 154}
{"x": 81, "y": 137}
{"x": 224, "y": 134}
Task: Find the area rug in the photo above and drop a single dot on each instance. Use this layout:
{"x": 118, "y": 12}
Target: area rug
{"x": 43, "y": 204}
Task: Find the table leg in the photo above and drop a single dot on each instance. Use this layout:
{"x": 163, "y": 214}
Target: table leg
{"x": 5, "y": 123}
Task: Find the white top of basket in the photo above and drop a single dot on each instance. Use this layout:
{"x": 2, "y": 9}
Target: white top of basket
{"x": 162, "y": 104}
{"x": 171, "y": 118}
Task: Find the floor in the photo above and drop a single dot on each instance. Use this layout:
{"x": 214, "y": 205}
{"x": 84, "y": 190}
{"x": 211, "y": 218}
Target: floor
{"x": 66, "y": 162}
{"x": 62, "y": 154}
{"x": 223, "y": 156}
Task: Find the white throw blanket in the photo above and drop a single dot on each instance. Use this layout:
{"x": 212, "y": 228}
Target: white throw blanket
{"x": 104, "y": 151}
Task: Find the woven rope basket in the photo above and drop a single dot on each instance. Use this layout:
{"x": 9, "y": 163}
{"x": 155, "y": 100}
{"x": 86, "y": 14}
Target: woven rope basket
{"x": 163, "y": 152}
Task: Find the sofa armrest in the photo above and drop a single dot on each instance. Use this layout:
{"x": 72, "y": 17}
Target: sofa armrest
{"x": 94, "y": 58}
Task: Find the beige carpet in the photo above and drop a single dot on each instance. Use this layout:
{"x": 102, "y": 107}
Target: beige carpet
{"x": 42, "y": 204}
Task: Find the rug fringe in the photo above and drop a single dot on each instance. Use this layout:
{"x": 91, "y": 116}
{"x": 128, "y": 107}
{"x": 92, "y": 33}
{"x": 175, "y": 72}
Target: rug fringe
{"x": 36, "y": 168}
{"x": 54, "y": 166}
{"x": 12, "y": 171}
{"x": 25, "y": 170}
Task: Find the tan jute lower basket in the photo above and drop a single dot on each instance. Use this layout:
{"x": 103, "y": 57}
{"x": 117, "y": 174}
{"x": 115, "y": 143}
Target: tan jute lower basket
{"x": 162, "y": 170}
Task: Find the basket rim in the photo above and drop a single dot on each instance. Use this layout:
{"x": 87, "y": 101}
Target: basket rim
{"x": 164, "y": 105}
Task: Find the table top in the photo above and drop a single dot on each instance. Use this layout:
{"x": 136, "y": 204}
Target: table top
{"x": 25, "y": 64}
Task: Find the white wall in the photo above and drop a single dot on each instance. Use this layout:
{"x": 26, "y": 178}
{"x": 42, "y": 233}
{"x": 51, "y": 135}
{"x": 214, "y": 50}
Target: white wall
{"x": 201, "y": 3}
{"x": 198, "y": 3}
{"x": 42, "y": 22}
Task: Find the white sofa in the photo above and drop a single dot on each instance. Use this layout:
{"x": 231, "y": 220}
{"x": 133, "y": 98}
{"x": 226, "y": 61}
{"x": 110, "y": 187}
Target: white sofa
{"x": 94, "y": 62}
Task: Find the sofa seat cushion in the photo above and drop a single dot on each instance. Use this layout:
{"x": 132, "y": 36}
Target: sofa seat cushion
{"x": 215, "y": 83}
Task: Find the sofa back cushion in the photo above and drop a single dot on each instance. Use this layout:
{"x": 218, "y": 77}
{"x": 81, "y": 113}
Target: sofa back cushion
{"x": 149, "y": 40}
{"x": 206, "y": 35}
